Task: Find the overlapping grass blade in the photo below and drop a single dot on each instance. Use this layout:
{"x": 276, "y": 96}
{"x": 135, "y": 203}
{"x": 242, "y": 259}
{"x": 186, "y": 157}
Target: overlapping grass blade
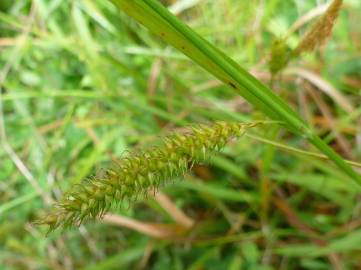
{"x": 161, "y": 22}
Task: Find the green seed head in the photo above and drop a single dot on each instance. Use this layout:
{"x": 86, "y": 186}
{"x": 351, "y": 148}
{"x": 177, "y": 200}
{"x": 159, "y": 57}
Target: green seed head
{"x": 138, "y": 172}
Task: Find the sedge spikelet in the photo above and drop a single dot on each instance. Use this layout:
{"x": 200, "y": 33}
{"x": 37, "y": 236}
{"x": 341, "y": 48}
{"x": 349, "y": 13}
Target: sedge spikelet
{"x": 321, "y": 31}
{"x": 280, "y": 56}
{"x": 138, "y": 172}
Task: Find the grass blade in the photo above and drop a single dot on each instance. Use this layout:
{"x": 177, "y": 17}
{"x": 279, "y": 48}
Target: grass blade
{"x": 161, "y": 22}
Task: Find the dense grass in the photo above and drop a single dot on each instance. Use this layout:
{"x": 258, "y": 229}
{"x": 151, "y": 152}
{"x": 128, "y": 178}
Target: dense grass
{"x": 81, "y": 83}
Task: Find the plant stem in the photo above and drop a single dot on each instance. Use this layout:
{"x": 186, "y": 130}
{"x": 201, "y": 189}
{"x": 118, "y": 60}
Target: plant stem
{"x": 161, "y": 22}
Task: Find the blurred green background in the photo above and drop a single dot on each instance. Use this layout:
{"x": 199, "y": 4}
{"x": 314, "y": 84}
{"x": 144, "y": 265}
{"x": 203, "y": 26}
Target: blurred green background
{"x": 81, "y": 83}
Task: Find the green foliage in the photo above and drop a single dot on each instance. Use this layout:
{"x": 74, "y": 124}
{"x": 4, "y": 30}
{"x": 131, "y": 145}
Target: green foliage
{"x": 82, "y": 82}
{"x": 161, "y": 22}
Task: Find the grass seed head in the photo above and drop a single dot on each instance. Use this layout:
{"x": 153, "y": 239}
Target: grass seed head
{"x": 321, "y": 31}
{"x": 138, "y": 172}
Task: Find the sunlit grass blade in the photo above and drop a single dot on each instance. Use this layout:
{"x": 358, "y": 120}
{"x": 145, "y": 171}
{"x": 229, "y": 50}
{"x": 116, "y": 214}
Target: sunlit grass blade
{"x": 161, "y": 22}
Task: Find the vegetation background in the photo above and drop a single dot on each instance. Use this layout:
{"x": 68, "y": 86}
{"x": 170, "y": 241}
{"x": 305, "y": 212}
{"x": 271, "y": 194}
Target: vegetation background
{"x": 81, "y": 83}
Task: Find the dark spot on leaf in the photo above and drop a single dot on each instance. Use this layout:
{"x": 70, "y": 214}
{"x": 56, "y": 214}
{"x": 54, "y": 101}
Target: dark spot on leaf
{"x": 231, "y": 84}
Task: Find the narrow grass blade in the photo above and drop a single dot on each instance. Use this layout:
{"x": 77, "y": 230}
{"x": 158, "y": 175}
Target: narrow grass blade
{"x": 161, "y": 22}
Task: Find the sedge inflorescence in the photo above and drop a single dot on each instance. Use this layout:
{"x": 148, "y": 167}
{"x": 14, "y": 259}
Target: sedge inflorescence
{"x": 138, "y": 172}
{"x": 321, "y": 31}
{"x": 318, "y": 34}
